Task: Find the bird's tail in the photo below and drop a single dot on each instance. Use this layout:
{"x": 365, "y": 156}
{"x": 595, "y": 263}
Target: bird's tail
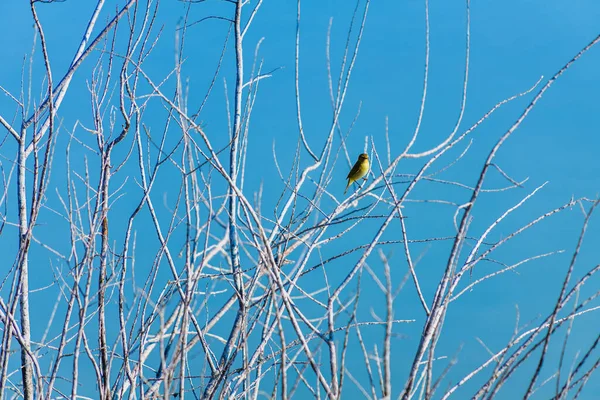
{"x": 348, "y": 185}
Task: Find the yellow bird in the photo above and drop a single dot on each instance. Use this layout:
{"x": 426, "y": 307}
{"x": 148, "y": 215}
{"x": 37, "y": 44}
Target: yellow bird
{"x": 360, "y": 169}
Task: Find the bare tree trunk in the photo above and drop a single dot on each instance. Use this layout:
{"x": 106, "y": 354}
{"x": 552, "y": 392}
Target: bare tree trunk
{"x": 26, "y": 366}
{"x": 103, "y": 346}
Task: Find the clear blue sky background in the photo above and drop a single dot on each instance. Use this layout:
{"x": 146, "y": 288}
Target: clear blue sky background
{"x": 513, "y": 44}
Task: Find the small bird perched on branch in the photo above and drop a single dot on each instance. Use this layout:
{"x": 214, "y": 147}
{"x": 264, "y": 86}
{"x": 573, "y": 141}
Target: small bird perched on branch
{"x": 360, "y": 169}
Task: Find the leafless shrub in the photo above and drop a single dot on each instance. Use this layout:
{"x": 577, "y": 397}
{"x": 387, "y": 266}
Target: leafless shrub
{"x": 170, "y": 278}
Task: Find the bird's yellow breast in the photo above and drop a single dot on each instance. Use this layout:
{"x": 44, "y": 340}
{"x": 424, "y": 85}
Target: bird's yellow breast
{"x": 363, "y": 169}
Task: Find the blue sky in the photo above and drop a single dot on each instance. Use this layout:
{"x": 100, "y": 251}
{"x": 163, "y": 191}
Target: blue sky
{"x": 513, "y": 44}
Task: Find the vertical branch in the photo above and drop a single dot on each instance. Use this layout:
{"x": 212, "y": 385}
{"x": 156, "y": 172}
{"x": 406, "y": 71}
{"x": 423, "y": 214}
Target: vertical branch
{"x": 233, "y": 204}
{"x": 103, "y": 346}
{"x": 387, "y": 346}
{"x": 233, "y": 157}
{"x": 24, "y": 227}
{"x": 23, "y": 291}
{"x": 297, "y": 85}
